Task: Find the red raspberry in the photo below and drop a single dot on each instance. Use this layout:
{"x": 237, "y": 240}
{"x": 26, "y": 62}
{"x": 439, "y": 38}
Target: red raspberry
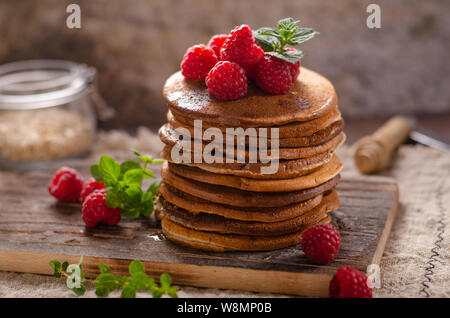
{"x": 95, "y": 210}
{"x": 320, "y": 243}
{"x": 66, "y": 185}
{"x": 241, "y": 47}
{"x": 90, "y": 186}
{"x": 295, "y": 68}
{"x": 273, "y": 75}
{"x": 216, "y": 43}
{"x": 250, "y": 71}
{"x": 227, "y": 81}
{"x": 198, "y": 61}
{"x": 349, "y": 283}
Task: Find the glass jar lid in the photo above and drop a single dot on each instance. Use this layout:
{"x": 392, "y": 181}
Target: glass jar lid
{"x": 38, "y": 84}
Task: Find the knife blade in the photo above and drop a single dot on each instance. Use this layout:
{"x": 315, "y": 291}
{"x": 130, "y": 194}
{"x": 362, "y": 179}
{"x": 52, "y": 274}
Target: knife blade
{"x": 420, "y": 137}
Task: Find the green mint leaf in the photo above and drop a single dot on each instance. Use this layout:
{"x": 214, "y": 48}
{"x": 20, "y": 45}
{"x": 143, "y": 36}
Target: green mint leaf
{"x": 80, "y": 290}
{"x": 104, "y": 268}
{"x": 148, "y": 174}
{"x": 133, "y": 197}
{"x": 302, "y": 35}
{"x": 106, "y": 283}
{"x": 274, "y": 41}
{"x": 81, "y": 270}
{"x": 172, "y": 292}
{"x": 56, "y": 266}
{"x": 95, "y": 172}
{"x": 271, "y": 33}
{"x": 113, "y": 199}
{"x": 287, "y": 28}
{"x": 139, "y": 280}
{"x": 64, "y": 266}
{"x": 130, "y": 213}
{"x": 166, "y": 287}
{"x": 157, "y": 160}
{"x": 147, "y": 204}
{"x": 135, "y": 152}
{"x": 128, "y": 292}
{"x": 290, "y": 56}
{"x": 107, "y": 279}
{"x": 109, "y": 169}
{"x": 267, "y": 43}
{"x": 136, "y": 267}
{"x": 157, "y": 292}
{"x": 133, "y": 177}
{"x": 287, "y": 24}
{"x": 149, "y": 284}
{"x": 129, "y": 165}
{"x": 146, "y": 159}
{"x": 101, "y": 291}
{"x": 165, "y": 280}
{"x": 154, "y": 187}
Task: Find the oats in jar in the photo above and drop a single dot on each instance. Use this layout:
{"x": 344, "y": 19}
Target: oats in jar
{"x": 43, "y": 134}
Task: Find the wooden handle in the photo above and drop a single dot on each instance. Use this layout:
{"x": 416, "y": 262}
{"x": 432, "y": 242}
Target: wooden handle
{"x": 374, "y": 152}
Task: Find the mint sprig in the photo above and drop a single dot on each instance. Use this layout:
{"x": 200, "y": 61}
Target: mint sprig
{"x": 106, "y": 282}
{"x": 123, "y": 183}
{"x": 274, "y": 41}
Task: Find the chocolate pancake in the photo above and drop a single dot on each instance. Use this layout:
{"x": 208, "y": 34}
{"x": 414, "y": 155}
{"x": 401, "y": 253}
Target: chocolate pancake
{"x": 286, "y": 168}
{"x": 216, "y": 242}
{"x": 297, "y": 129}
{"x": 283, "y": 153}
{"x": 197, "y": 205}
{"x": 325, "y": 173}
{"x": 310, "y": 96}
{"x": 241, "y": 198}
{"x": 170, "y": 136}
{"x": 214, "y": 223}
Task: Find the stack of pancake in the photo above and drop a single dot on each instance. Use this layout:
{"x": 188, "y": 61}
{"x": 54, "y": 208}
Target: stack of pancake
{"x": 233, "y": 205}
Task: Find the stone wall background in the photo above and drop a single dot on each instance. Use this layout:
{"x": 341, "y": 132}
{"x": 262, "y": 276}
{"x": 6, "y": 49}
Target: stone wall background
{"x": 136, "y": 44}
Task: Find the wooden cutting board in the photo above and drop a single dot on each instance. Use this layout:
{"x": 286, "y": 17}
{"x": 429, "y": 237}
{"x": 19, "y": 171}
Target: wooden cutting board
{"x": 35, "y": 229}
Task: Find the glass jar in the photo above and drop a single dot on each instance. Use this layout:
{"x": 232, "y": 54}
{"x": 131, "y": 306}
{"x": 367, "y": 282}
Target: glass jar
{"x": 47, "y": 111}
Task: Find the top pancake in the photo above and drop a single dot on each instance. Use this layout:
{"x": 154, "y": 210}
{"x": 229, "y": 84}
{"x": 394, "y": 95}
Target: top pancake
{"x": 310, "y": 96}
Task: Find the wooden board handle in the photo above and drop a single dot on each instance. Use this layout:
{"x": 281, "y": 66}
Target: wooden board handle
{"x": 374, "y": 152}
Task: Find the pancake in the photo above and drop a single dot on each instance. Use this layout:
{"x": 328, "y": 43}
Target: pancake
{"x": 197, "y": 205}
{"x": 286, "y": 168}
{"x": 310, "y": 96}
{"x": 170, "y": 136}
{"x": 298, "y": 129}
{"x": 325, "y": 173}
{"x": 215, "y": 242}
{"x": 283, "y": 153}
{"x": 214, "y": 223}
{"x": 241, "y": 198}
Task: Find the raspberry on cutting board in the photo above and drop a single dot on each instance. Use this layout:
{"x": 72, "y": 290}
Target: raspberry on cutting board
{"x": 66, "y": 185}
{"x": 95, "y": 210}
{"x": 320, "y": 243}
{"x": 89, "y": 186}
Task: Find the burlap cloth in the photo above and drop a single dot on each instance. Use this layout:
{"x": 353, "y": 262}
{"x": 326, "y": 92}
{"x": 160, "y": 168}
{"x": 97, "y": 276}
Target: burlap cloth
{"x": 416, "y": 257}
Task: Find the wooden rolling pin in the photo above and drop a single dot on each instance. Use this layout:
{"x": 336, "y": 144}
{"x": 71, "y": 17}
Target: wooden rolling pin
{"x": 373, "y": 153}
